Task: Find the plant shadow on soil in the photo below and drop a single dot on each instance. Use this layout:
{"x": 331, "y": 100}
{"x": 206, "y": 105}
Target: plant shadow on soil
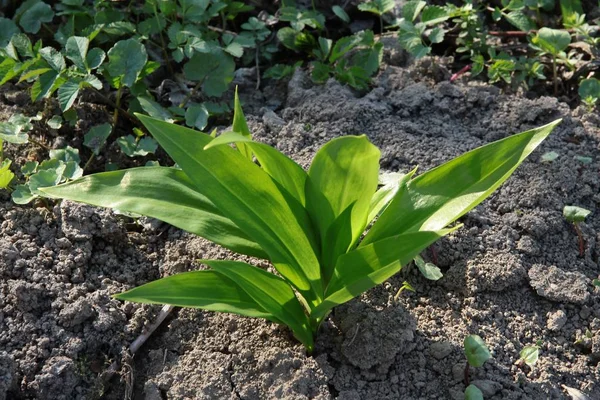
{"x": 59, "y": 328}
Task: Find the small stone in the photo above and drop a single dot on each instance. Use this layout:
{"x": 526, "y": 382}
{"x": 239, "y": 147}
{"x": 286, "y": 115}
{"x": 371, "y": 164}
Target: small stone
{"x": 458, "y": 372}
{"x": 557, "y": 285}
{"x": 440, "y": 350}
{"x": 585, "y": 312}
{"x": 556, "y": 320}
{"x": 488, "y": 388}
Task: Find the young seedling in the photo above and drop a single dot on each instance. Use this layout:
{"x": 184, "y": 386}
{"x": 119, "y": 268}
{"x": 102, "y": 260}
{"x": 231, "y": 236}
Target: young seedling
{"x": 378, "y": 7}
{"x": 476, "y": 352}
{"x": 552, "y": 42}
{"x": 472, "y": 392}
{"x": 309, "y": 225}
{"x": 589, "y": 92}
{"x": 530, "y": 354}
{"x": 575, "y": 215}
{"x": 405, "y": 285}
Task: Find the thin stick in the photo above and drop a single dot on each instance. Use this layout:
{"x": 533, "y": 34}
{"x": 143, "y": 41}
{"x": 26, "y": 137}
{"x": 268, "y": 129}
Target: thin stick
{"x": 257, "y": 70}
{"x": 42, "y": 145}
{"x": 137, "y": 343}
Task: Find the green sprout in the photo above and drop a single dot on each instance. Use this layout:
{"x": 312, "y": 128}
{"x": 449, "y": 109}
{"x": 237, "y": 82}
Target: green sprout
{"x": 530, "y": 354}
{"x": 308, "y": 224}
{"x": 575, "y": 215}
{"x": 589, "y": 91}
{"x": 553, "y": 42}
{"x": 476, "y": 352}
{"x": 472, "y": 392}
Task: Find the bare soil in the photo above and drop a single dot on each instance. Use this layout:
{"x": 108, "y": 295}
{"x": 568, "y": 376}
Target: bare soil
{"x": 513, "y": 273}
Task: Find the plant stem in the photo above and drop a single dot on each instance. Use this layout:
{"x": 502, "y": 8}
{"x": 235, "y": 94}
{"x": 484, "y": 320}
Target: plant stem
{"x": 89, "y": 161}
{"x": 113, "y": 105}
{"x": 581, "y": 240}
{"x": 117, "y": 106}
{"x": 257, "y": 69}
{"x": 42, "y": 145}
{"x": 380, "y": 23}
{"x": 467, "y": 374}
{"x": 162, "y": 42}
{"x": 191, "y": 93}
{"x": 554, "y": 76}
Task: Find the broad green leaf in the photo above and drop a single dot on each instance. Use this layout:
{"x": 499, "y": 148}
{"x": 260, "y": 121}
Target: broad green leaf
{"x": 8, "y": 70}
{"x": 247, "y": 195}
{"x": 96, "y": 137}
{"x": 382, "y": 197}
{"x": 520, "y": 20}
{"x": 67, "y": 93}
{"x": 214, "y": 70}
{"x": 31, "y": 20}
{"x": 44, "y": 179}
{"x": 45, "y": 85}
{"x": 55, "y": 122}
{"x": 272, "y": 293}
{"x": 6, "y": 175}
{"x": 341, "y": 14}
{"x": 552, "y": 41}
{"x": 346, "y": 44}
{"x": 368, "y": 266}
{"x": 428, "y": 270}
{"x": 22, "y": 195}
{"x": 472, "y": 392}
{"x": 126, "y": 59}
{"x": 72, "y": 170}
{"x": 433, "y": 15}
{"x": 476, "y": 351}
{"x": 589, "y": 88}
{"x": 95, "y": 58}
{"x": 343, "y": 173}
{"x": 240, "y": 126}
{"x": 378, "y": 7}
{"x": 7, "y": 29}
{"x": 575, "y": 214}
{"x": 54, "y": 58}
{"x": 196, "y": 116}
{"x": 67, "y": 154}
{"x": 207, "y": 290}
{"x": 137, "y": 148}
{"x": 412, "y": 9}
{"x": 30, "y": 167}
{"x": 281, "y": 168}
{"x": 530, "y": 355}
{"x": 163, "y": 193}
{"x": 440, "y": 196}
{"x": 154, "y": 109}
{"x": 76, "y": 50}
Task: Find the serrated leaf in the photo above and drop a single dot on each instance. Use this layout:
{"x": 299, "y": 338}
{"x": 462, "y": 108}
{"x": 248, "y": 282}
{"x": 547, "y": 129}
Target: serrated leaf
{"x": 76, "y": 50}
{"x": 95, "y": 58}
{"x": 54, "y": 58}
{"x": 433, "y": 15}
{"x": 412, "y": 9}
{"x": 31, "y": 20}
{"x": 436, "y": 35}
{"x": 519, "y": 20}
{"x": 67, "y": 93}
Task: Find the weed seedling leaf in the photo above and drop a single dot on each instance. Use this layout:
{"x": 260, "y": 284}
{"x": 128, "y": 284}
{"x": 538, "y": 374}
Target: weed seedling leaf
{"x": 428, "y": 270}
{"x": 575, "y": 214}
{"x": 472, "y": 392}
{"x": 529, "y": 355}
{"x": 96, "y": 137}
{"x": 476, "y": 351}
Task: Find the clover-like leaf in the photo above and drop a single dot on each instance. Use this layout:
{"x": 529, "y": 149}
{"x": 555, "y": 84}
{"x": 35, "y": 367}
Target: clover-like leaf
{"x": 34, "y": 15}
{"x": 22, "y": 195}
{"x": 133, "y": 148}
{"x": 552, "y": 41}
{"x": 126, "y": 60}
{"x": 196, "y": 116}
{"x": 214, "y": 69}
{"x": 529, "y": 355}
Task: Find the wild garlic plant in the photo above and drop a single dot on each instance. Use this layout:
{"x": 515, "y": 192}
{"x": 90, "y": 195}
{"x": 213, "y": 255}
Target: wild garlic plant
{"x": 308, "y": 224}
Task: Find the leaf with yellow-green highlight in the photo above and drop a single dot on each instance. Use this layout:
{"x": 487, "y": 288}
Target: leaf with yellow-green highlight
{"x": 249, "y": 197}
{"x": 366, "y": 267}
{"x": 344, "y": 173}
{"x": 163, "y": 193}
{"x": 208, "y": 290}
{"x": 440, "y": 196}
